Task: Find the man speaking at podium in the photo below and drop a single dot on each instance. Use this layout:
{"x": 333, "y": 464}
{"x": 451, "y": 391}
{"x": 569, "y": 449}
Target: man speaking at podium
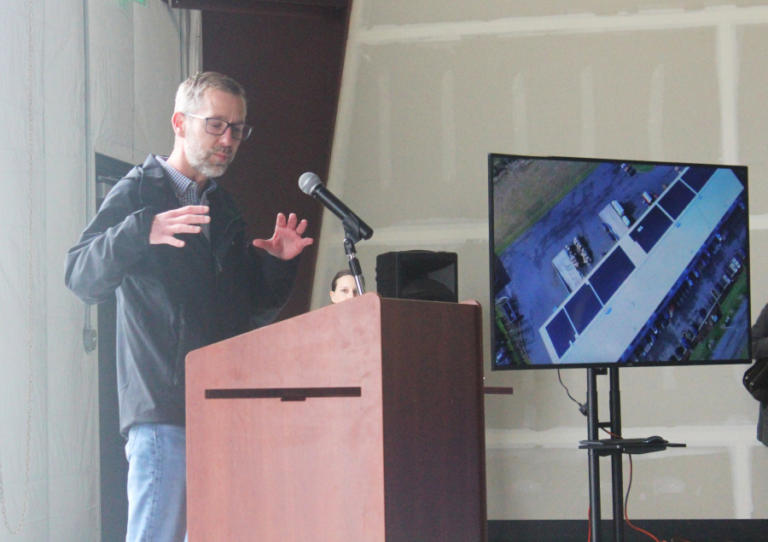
{"x": 170, "y": 243}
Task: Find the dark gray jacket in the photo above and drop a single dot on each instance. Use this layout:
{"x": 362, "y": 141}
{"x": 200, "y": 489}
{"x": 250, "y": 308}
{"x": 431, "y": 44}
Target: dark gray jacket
{"x": 170, "y": 300}
{"x": 759, "y": 351}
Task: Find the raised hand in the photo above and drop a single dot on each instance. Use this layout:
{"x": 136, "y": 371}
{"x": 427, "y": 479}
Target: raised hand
{"x": 165, "y": 226}
{"x": 287, "y": 241}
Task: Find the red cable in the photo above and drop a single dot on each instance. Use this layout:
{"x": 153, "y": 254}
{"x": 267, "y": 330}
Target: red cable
{"x": 626, "y": 505}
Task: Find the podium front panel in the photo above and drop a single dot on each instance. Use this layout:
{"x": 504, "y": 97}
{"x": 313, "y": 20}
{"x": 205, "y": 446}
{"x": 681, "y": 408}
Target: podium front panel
{"x": 297, "y": 431}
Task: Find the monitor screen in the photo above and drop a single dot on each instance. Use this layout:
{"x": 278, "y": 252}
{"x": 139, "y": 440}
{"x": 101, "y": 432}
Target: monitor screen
{"x": 617, "y": 262}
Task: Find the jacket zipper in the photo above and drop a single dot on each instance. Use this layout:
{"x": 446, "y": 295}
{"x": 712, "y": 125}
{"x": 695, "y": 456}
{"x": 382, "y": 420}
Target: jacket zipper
{"x": 217, "y": 258}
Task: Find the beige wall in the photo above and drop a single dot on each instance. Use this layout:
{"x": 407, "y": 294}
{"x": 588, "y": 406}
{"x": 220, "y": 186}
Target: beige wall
{"x": 429, "y": 89}
{"x": 78, "y": 77}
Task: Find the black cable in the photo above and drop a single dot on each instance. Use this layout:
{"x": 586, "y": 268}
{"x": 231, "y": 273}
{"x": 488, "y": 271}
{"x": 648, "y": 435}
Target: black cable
{"x": 582, "y": 406}
{"x": 626, "y": 505}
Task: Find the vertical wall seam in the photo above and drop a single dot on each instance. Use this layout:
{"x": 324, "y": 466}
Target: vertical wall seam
{"x": 728, "y": 75}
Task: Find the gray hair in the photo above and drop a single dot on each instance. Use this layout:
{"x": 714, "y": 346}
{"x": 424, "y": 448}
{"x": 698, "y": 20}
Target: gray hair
{"x": 189, "y": 96}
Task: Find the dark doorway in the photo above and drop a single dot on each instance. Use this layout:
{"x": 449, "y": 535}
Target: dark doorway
{"x": 113, "y": 469}
{"x": 288, "y": 54}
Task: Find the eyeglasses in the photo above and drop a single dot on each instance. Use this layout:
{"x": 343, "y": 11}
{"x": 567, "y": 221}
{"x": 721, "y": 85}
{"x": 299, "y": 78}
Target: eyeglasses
{"x": 217, "y": 127}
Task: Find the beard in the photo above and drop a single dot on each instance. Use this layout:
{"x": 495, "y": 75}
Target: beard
{"x": 200, "y": 159}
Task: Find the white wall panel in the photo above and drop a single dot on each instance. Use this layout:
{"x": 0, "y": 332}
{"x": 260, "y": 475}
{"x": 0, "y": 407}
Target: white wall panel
{"x": 55, "y": 56}
{"x": 430, "y": 88}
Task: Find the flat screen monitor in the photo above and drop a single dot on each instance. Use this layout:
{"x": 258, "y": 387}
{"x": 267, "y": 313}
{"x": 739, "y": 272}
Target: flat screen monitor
{"x": 598, "y": 262}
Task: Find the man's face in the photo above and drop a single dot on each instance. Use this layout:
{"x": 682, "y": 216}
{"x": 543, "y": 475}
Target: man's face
{"x": 208, "y": 154}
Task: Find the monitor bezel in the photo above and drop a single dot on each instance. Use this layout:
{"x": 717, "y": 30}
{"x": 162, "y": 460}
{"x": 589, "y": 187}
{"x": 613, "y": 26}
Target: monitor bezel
{"x": 742, "y": 175}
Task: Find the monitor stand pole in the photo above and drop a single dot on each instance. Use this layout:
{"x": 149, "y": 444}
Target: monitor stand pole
{"x": 614, "y": 427}
{"x": 615, "y": 446}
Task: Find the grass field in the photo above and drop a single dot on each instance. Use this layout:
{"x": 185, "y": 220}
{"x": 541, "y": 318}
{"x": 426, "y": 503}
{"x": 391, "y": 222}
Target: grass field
{"x": 527, "y": 191}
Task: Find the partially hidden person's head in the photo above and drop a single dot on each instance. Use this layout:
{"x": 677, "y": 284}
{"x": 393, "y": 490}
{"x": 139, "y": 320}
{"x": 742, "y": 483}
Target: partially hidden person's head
{"x": 209, "y": 124}
{"x": 343, "y": 286}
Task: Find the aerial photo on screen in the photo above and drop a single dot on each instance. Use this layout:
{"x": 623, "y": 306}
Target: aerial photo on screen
{"x": 605, "y": 262}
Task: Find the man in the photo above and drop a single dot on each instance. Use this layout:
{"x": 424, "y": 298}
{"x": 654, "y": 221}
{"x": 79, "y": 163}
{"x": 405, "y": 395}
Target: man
{"x": 170, "y": 243}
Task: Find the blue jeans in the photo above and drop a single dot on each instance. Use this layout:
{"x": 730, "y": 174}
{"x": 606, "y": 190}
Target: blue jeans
{"x": 157, "y": 483}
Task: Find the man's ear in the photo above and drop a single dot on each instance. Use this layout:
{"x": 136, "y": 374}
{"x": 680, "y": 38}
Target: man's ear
{"x": 177, "y": 121}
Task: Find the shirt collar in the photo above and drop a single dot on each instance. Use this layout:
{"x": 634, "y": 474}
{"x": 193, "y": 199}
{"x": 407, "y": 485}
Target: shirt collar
{"x": 183, "y": 185}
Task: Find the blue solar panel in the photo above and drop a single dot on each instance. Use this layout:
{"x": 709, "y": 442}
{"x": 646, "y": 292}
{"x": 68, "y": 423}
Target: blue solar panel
{"x": 608, "y": 277}
{"x": 650, "y": 229}
{"x": 583, "y": 307}
{"x": 676, "y": 199}
{"x": 697, "y": 177}
{"x": 561, "y": 333}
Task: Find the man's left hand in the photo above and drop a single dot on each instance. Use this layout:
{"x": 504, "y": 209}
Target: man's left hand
{"x": 287, "y": 241}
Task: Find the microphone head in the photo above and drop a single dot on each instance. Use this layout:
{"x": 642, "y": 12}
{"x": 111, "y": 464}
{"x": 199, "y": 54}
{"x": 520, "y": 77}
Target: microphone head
{"x": 308, "y": 182}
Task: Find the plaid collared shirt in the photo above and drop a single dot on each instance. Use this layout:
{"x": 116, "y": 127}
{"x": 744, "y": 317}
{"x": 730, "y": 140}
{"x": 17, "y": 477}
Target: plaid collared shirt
{"x": 186, "y": 189}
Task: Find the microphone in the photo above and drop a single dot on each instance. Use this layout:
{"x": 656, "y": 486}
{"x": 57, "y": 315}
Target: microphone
{"x": 310, "y": 184}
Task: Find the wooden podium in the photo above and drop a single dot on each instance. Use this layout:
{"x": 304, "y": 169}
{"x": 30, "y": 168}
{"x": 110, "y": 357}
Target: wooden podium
{"x": 357, "y": 422}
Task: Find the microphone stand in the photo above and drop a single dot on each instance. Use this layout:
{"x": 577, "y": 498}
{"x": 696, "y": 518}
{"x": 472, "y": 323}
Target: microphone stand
{"x": 354, "y": 265}
{"x": 352, "y": 234}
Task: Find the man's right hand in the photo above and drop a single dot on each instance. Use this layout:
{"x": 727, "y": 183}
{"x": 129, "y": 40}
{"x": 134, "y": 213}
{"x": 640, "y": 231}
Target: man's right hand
{"x": 167, "y": 225}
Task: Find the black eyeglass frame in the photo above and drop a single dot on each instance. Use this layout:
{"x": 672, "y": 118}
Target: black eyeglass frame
{"x": 245, "y": 130}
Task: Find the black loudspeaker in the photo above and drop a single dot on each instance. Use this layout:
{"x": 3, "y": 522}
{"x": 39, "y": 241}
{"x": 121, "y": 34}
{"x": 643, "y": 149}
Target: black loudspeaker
{"x": 418, "y": 274}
